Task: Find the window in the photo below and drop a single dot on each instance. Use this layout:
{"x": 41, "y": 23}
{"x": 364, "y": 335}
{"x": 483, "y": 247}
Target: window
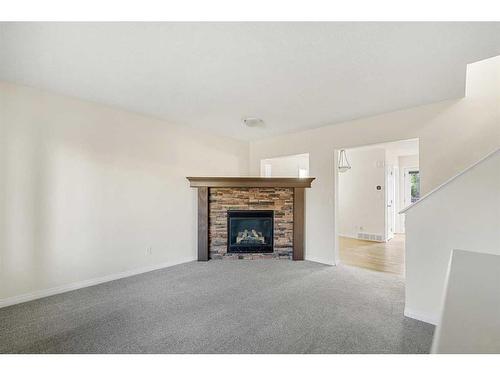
{"x": 414, "y": 186}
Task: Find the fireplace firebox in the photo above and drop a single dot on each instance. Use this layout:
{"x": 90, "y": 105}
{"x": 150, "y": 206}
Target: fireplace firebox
{"x": 250, "y": 231}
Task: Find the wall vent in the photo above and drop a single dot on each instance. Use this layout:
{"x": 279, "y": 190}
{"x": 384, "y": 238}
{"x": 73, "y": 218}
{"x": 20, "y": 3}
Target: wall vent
{"x": 370, "y": 237}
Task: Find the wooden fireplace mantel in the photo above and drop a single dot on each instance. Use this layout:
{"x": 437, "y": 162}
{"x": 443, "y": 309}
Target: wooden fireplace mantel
{"x": 203, "y": 184}
{"x": 250, "y": 182}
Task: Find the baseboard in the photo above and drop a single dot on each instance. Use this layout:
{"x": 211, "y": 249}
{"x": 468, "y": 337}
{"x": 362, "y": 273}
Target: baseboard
{"x": 9, "y": 301}
{"x": 421, "y": 316}
{"x": 348, "y": 235}
{"x": 318, "y": 260}
{"x": 355, "y": 237}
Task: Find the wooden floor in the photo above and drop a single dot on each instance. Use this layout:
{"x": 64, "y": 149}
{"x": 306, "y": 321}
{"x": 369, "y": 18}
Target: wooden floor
{"x": 378, "y": 256}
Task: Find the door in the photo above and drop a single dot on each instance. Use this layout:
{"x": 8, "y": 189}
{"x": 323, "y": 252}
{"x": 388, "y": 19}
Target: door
{"x": 390, "y": 198}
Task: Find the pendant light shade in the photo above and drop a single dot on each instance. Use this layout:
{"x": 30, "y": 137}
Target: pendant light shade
{"x": 344, "y": 165}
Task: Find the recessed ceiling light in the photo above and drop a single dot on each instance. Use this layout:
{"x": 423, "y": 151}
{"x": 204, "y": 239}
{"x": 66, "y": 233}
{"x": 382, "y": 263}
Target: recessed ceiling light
{"x": 252, "y": 122}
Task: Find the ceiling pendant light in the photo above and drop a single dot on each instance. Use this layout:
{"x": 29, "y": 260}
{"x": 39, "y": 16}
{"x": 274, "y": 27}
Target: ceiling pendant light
{"x": 344, "y": 165}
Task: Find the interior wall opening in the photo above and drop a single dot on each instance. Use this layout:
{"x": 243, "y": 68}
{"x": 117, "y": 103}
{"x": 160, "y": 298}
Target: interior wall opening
{"x": 373, "y": 184}
{"x": 285, "y": 166}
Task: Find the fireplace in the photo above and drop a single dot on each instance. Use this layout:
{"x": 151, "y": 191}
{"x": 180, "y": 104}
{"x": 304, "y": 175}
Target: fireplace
{"x": 282, "y": 226}
{"x": 250, "y": 231}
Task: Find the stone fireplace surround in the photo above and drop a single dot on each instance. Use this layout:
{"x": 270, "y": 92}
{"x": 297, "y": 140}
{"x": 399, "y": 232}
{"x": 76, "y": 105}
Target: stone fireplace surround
{"x": 280, "y": 200}
{"x": 217, "y": 195}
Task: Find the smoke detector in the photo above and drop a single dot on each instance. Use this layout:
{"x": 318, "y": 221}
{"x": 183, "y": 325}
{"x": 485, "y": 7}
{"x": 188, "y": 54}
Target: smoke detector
{"x": 252, "y": 122}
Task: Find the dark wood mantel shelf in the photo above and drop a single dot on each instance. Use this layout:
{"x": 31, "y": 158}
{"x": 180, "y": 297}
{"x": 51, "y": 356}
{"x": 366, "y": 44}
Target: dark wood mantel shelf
{"x": 251, "y": 182}
{"x": 203, "y": 184}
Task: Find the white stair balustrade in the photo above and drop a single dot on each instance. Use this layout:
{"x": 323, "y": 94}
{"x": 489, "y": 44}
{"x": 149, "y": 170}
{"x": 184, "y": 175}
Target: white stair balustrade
{"x": 463, "y": 213}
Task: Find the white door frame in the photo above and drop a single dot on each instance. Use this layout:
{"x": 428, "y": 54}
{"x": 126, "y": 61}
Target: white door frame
{"x": 336, "y": 250}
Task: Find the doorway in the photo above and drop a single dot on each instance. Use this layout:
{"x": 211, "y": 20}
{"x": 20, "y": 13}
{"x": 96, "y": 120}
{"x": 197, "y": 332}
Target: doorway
{"x": 369, "y": 196}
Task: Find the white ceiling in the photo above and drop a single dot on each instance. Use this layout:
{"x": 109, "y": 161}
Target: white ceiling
{"x": 209, "y": 75}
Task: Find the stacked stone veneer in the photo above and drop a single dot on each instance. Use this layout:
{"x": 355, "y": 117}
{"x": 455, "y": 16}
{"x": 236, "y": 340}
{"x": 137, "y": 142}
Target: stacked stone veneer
{"x": 278, "y": 199}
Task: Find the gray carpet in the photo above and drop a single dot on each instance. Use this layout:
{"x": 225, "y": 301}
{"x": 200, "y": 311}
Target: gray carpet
{"x": 254, "y": 306}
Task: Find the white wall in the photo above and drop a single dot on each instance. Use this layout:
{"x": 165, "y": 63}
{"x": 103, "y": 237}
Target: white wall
{"x": 464, "y": 214}
{"x": 86, "y": 189}
{"x": 286, "y": 166}
{"x": 470, "y": 322}
{"x": 452, "y": 135}
{"x": 361, "y": 205}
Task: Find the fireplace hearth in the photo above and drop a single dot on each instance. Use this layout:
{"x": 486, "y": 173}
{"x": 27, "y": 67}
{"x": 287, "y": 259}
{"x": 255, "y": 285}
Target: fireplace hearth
{"x": 250, "y": 231}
